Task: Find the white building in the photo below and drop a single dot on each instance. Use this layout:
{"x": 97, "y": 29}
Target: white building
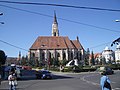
{"x": 117, "y": 54}
{"x": 108, "y": 54}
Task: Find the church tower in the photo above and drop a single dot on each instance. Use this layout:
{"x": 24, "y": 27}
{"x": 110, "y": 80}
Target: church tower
{"x": 55, "y": 31}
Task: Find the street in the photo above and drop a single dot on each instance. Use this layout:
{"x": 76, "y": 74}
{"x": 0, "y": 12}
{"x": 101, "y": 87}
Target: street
{"x": 66, "y": 81}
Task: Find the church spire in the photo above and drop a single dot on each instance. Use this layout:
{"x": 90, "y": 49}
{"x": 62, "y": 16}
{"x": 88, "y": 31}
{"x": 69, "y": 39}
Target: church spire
{"x": 55, "y": 19}
{"x": 55, "y": 31}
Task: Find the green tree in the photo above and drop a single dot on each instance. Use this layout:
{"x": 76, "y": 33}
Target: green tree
{"x": 63, "y": 62}
{"x": 2, "y": 61}
{"x": 92, "y": 58}
{"x": 2, "y": 57}
{"x": 87, "y": 57}
{"x": 103, "y": 61}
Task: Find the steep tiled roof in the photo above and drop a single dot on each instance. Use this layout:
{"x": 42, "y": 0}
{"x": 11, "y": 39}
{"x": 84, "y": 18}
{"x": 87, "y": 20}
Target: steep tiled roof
{"x": 52, "y": 42}
{"x": 77, "y": 44}
{"x": 96, "y": 55}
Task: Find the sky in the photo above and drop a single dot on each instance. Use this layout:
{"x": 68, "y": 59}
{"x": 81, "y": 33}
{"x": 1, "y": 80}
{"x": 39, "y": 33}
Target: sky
{"x": 22, "y": 27}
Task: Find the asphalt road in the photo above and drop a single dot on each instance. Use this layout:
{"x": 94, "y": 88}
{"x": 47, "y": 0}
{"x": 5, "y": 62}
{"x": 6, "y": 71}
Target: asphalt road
{"x": 65, "y": 81}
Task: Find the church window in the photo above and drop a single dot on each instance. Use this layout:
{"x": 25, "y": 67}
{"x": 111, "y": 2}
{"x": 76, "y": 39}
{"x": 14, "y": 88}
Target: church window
{"x": 43, "y": 56}
{"x": 54, "y": 33}
{"x": 64, "y": 56}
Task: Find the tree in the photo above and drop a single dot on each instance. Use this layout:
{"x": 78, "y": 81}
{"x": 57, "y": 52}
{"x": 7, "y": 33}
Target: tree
{"x": 63, "y": 62}
{"x": 92, "y": 58}
{"x": 87, "y": 57}
{"x": 103, "y": 61}
{"x": 2, "y": 57}
{"x": 2, "y": 61}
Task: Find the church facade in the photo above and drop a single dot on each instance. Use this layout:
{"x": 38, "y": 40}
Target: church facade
{"x": 56, "y": 47}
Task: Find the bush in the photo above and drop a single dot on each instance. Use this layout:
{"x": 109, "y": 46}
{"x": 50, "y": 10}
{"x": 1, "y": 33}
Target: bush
{"x": 54, "y": 69}
{"x": 68, "y": 69}
{"x": 115, "y": 66}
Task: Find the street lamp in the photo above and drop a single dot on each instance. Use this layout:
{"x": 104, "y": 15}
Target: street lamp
{"x": 1, "y": 15}
{"x": 117, "y": 20}
{"x": 2, "y": 23}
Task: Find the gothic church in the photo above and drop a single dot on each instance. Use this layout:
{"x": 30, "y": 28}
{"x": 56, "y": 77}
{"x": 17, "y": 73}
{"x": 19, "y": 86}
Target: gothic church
{"x": 58, "y": 47}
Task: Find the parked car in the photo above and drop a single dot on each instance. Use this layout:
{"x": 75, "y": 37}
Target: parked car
{"x": 27, "y": 67}
{"x": 106, "y": 70}
{"x": 44, "y": 74}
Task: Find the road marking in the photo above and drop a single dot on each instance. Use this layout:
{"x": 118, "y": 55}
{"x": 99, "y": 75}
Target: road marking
{"x": 116, "y": 89}
{"x": 93, "y": 83}
{"x": 113, "y": 82}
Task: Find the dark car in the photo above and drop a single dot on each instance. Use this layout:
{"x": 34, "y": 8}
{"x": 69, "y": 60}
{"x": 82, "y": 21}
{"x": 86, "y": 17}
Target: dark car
{"x": 43, "y": 74}
{"x": 109, "y": 71}
{"x": 106, "y": 70}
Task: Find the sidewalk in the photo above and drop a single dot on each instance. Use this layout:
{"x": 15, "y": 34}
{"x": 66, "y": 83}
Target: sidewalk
{"x": 66, "y": 73}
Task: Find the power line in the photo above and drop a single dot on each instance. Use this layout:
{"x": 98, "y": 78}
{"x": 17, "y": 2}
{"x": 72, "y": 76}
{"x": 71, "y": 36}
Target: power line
{"x": 13, "y": 45}
{"x": 62, "y": 5}
{"x": 33, "y": 12}
{"x": 100, "y": 45}
{"x": 28, "y": 50}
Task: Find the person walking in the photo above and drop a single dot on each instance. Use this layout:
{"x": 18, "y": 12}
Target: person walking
{"x": 105, "y": 82}
{"x": 12, "y": 81}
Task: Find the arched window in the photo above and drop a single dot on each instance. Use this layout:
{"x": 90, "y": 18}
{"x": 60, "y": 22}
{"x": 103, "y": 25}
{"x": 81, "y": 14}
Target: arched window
{"x": 71, "y": 55}
{"x": 54, "y": 33}
{"x": 80, "y": 56}
{"x": 58, "y": 54}
{"x": 49, "y": 55}
{"x": 64, "y": 56}
{"x": 43, "y": 56}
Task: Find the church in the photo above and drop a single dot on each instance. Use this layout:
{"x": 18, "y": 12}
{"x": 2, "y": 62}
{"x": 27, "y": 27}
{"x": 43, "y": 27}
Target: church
{"x": 56, "y": 47}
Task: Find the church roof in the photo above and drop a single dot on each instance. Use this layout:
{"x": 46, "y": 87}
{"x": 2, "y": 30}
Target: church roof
{"x": 53, "y": 42}
{"x": 77, "y": 44}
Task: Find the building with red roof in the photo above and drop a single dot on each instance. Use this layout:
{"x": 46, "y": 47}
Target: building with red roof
{"x": 58, "y": 47}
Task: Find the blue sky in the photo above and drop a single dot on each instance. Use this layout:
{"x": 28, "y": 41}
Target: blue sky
{"x": 22, "y": 28}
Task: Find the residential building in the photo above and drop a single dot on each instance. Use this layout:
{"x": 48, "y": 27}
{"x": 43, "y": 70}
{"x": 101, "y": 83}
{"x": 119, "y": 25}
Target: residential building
{"x": 117, "y": 54}
{"x": 97, "y": 58}
{"x": 108, "y": 54}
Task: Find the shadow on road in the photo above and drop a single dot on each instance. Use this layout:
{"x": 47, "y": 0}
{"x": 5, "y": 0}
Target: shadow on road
{"x": 54, "y": 77}
{"x": 61, "y": 77}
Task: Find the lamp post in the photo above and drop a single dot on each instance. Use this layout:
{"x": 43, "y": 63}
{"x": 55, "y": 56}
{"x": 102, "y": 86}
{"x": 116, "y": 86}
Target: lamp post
{"x": 117, "y": 20}
{"x": 2, "y": 23}
{"x": 1, "y": 15}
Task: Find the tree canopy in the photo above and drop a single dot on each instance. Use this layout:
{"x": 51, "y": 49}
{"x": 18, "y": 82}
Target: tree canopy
{"x": 2, "y": 57}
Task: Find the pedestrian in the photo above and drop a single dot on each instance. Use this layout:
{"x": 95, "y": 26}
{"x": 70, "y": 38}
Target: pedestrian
{"x": 105, "y": 82}
{"x": 12, "y": 81}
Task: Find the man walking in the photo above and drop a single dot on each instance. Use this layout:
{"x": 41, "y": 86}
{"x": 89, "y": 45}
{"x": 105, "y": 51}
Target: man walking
{"x": 105, "y": 82}
{"x": 12, "y": 81}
